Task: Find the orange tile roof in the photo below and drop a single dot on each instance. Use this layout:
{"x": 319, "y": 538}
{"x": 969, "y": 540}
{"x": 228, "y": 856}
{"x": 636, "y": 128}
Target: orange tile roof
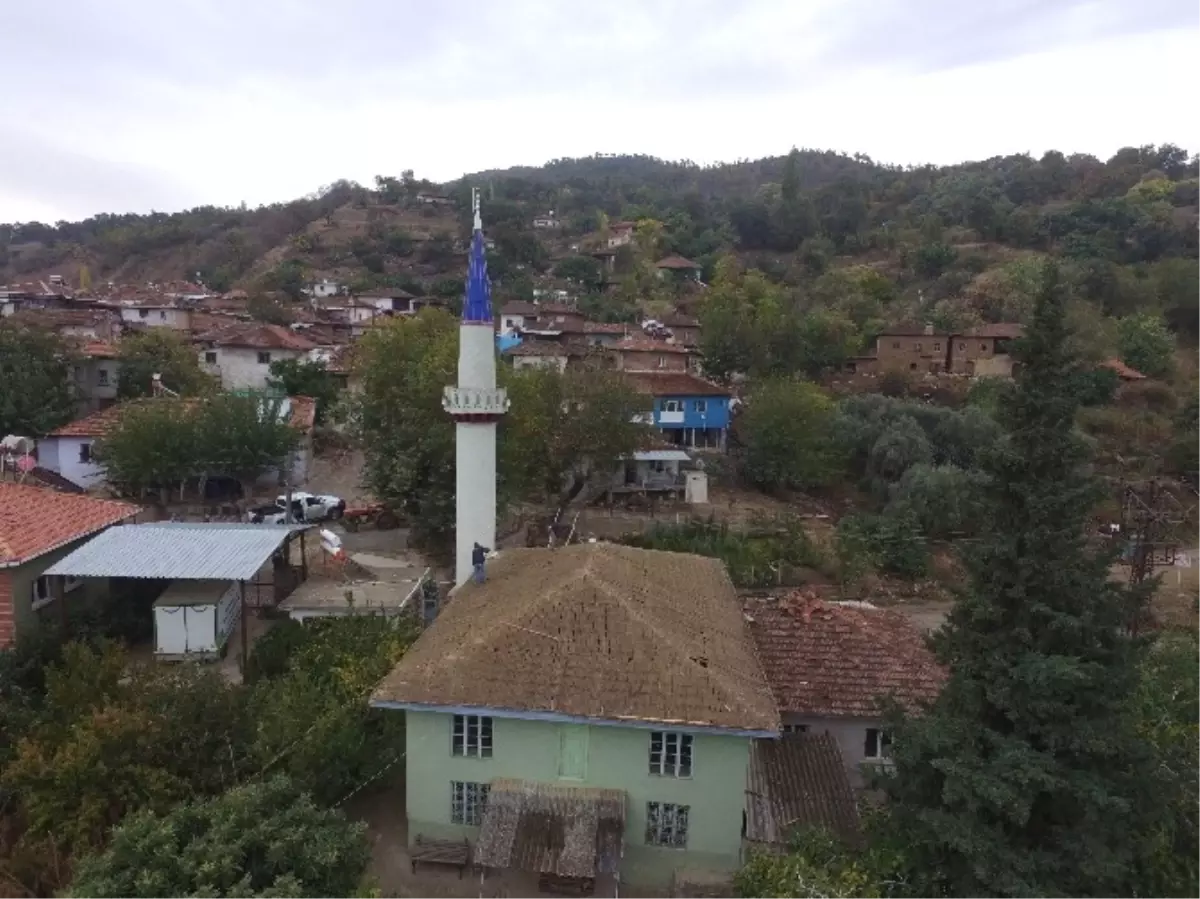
{"x": 606, "y": 328}
{"x": 38, "y": 520}
{"x": 95, "y": 425}
{"x": 676, "y": 262}
{"x": 837, "y": 659}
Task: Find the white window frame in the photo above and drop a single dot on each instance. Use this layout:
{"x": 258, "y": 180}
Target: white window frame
{"x": 702, "y": 407}
{"x": 672, "y": 754}
{"x": 468, "y": 802}
{"x": 40, "y": 598}
{"x": 667, "y": 824}
{"x": 471, "y": 736}
{"x": 877, "y": 745}
{"x": 671, "y": 406}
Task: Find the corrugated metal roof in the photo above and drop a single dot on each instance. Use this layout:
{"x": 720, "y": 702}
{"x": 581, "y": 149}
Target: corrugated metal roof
{"x": 175, "y": 550}
{"x": 796, "y": 782}
{"x": 661, "y": 456}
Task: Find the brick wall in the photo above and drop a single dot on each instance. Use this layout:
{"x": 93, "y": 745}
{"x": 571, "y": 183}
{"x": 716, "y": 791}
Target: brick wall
{"x": 7, "y": 625}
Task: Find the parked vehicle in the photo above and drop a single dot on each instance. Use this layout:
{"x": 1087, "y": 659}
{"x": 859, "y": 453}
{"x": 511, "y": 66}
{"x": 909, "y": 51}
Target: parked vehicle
{"x": 306, "y": 508}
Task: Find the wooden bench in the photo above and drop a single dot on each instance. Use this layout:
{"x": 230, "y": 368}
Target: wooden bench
{"x": 556, "y": 885}
{"x": 456, "y": 853}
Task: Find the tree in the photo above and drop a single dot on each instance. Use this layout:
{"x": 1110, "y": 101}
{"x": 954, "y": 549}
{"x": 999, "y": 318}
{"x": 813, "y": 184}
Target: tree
{"x": 260, "y": 839}
{"x": 583, "y": 269}
{"x": 1144, "y": 343}
{"x": 566, "y": 428}
{"x": 241, "y": 436}
{"x": 944, "y": 499}
{"x": 901, "y": 446}
{"x": 305, "y": 377}
{"x": 289, "y": 278}
{"x": 785, "y": 431}
{"x": 263, "y": 308}
{"x": 36, "y": 373}
{"x": 159, "y": 351}
{"x": 1026, "y": 776}
{"x": 407, "y": 438}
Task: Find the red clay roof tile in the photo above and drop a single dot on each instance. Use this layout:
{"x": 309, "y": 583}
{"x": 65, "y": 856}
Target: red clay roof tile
{"x": 835, "y": 659}
{"x": 674, "y": 383}
{"x": 38, "y": 520}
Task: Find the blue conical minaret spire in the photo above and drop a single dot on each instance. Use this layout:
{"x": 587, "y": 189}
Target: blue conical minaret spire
{"x": 477, "y": 303}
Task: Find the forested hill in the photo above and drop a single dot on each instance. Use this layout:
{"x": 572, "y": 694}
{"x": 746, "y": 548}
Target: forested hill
{"x": 931, "y": 243}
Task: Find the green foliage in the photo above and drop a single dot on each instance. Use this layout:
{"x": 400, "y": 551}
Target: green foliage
{"x": 1165, "y": 709}
{"x": 566, "y": 427}
{"x": 267, "y": 309}
{"x": 1144, "y": 343}
{"x": 36, "y": 371}
{"x": 784, "y": 430}
{"x": 312, "y": 719}
{"x": 893, "y": 541}
{"x": 109, "y": 742}
{"x": 901, "y": 446}
{"x": 1026, "y": 776}
{"x": 261, "y": 839}
{"x": 753, "y": 557}
{"x": 943, "y": 499}
{"x": 815, "y": 866}
{"x": 288, "y": 278}
{"x": 159, "y": 351}
{"x": 167, "y": 442}
{"x": 583, "y": 269}
{"x": 305, "y": 377}
{"x": 273, "y": 651}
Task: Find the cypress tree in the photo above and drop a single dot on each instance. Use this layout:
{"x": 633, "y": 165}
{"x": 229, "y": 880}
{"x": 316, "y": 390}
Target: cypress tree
{"x": 1026, "y": 777}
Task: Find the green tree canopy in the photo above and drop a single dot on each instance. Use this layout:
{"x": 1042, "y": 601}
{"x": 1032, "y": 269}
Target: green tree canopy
{"x": 1145, "y": 344}
{"x": 36, "y": 372}
{"x": 159, "y": 351}
{"x": 1026, "y": 776}
{"x": 305, "y": 377}
{"x": 785, "y": 432}
{"x": 260, "y": 839}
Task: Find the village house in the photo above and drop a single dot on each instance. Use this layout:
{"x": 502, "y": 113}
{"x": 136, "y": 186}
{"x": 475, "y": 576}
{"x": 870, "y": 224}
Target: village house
{"x": 620, "y": 234}
{"x": 546, "y": 221}
{"x": 678, "y": 267}
{"x": 515, "y": 315}
{"x": 606, "y": 334}
{"x": 155, "y": 315}
{"x": 38, "y": 526}
{"x": 240, "y": 354}
{"x": 638, "y": 353}
{"x": 85, "y": 324}
{"x": 323, "y": 288}
{"x": 829, "y": 665}
{"x": 610, "y": 693}
{"x": 685, "y": 329}
{"x": 96, "y": 373}
{"x": 395, "y": 301}
{"x": 689, "y": 411}
{"x": 983, "y": 351}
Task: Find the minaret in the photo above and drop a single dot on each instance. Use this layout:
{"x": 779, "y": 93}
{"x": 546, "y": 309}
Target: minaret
{"x": 476, "y": 404}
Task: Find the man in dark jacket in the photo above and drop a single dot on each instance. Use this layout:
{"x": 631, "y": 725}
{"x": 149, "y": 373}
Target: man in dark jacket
{"x": 478, "y": 555}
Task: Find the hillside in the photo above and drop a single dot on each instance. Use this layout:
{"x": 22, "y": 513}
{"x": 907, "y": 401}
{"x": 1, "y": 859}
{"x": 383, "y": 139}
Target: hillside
{"x": 929, "y": 244}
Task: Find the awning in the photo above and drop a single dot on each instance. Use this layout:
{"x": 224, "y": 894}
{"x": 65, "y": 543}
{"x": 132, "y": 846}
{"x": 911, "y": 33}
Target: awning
{"x": 178, "y": 551}
{"x": 661, "y": 456}
{"x": 796, "y": 782}
{"x": 551, "y": 829}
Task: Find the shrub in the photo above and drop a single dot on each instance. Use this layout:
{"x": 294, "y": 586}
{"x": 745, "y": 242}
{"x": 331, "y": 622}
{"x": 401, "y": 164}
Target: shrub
{"x": 893, "y": 541}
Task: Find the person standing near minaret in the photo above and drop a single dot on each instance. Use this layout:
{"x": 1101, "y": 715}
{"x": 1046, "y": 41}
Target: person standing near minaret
{"x": 476, "y": 405}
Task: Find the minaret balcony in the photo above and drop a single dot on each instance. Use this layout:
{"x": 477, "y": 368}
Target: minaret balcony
{"x": 475, "y": 403}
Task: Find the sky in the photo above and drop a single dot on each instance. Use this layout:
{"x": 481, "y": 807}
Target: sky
{"x": 134, "y": 105}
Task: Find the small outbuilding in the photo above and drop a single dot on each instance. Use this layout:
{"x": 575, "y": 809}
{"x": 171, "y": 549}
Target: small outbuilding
{"x": 195, "y": 619}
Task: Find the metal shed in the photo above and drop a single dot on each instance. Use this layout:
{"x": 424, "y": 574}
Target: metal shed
{"x": 228, "y": 554}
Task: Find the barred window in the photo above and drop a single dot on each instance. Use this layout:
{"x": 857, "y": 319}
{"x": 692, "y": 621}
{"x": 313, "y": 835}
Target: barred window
{"x": 472, "y": 736}
{"x": 667, "y": 824}
{"x": 468, "y": 802}
{"x": 670, "y": 754}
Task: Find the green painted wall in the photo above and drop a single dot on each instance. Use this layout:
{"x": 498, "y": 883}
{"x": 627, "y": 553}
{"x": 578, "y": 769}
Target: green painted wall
{"x": 23, "y": 577}
{"x": 616, "y": 757}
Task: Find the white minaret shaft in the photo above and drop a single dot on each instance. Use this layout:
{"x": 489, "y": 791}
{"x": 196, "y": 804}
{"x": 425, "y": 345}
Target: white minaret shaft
{"x": 476, "y": 405}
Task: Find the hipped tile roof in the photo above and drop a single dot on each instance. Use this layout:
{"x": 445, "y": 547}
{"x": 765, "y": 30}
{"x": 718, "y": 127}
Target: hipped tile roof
{"x": 676, "y": 383}
{"x": 833, "y": 659}
{"x": 638, "y": 344}
{"x": 256, "y": 335}
{"x": 676, "y": 262}
{"x": 38, "y": 520}
{"x": 596, "y": 631}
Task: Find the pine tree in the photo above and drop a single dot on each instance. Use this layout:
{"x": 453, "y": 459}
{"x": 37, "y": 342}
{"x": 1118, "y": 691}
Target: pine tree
{"x": 1026, "y": 777}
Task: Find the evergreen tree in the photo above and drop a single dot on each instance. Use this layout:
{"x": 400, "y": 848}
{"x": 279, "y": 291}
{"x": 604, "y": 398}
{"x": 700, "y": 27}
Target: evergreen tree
{"x": 1026, "y": 777}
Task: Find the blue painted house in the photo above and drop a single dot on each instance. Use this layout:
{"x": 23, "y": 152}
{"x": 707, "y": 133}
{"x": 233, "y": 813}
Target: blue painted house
{"x": 688, "y": 410}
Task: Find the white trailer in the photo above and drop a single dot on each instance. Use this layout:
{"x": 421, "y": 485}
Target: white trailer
{"x": 193, "y": 619}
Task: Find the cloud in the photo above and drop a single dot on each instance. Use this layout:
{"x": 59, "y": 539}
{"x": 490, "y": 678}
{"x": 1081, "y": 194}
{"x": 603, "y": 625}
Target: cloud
{"x": 137, "y": 104}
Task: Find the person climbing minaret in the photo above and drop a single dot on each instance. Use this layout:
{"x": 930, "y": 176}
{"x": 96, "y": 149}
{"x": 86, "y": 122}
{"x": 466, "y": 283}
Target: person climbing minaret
{"x": 476, "y": 405}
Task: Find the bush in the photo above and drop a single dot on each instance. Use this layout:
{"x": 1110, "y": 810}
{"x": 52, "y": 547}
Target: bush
{"x": 893, "y": 541}
{"x": 944, "y": 500}
{"x": 262, "y": 839}
{"x": 273, "y": 652}
{"x": 896, "y": 450}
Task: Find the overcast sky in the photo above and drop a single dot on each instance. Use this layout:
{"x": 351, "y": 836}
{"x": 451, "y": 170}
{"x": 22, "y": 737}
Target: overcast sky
{"x": 132, "y": 105}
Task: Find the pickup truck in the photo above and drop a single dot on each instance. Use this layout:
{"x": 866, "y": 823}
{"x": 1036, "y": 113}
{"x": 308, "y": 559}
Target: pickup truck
{"x": 306, "y": 507}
